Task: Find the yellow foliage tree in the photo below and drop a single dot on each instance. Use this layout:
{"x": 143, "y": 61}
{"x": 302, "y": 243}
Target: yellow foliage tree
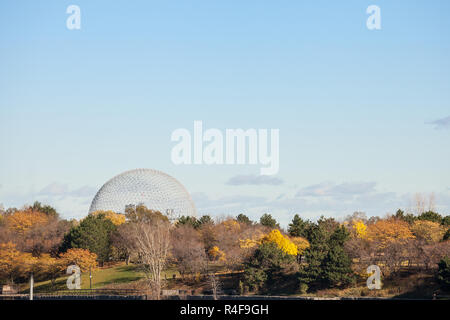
{"x": 217, "y": 254}
{"x": 23, "y": 220}
{"x": 389, "y": 230}
{"x": 116, "y": 218}
{"x": 286, "y": 245}
{"x": 301, "y": 243}
{"x": 360, "y": 229}
{"x": 231, "y": 225}
{"x": 81, "y": 257}
{"x": 428, "y": 230}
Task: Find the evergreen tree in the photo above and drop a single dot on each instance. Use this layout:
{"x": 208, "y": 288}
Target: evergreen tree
{"x": 268, "y": 221}
{"x": 298, "y": 227}
{"x": 93, "y": 233}
{"x": 242, "y": 218}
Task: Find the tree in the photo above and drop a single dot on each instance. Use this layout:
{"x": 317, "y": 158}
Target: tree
{"x": 298, "y": 227}
{"x": 188, "y": 251}
{"x": 428, "y": 231}
{"x": 268, "y": 221}
{"x": 385, "y": 231}
{"x": 267, "y": 260}
{"x": 444, "y": 272}
{"x": 327, "y": 263}
{"x": 283, "y": 243}
{"x": 446, "y": 235}
{"x": 187, "y": 221}
{"x": 23, "y": 220}
{"x": 336, "y": 268}
{"x": 216, "y": 254}
{"x": 94, "y": 234}
{"x": 116, "y": 218}
{"x": 83, "y": 258}
{"x": 204, "y": 220}
{"x": 48, "y": 210}
{"x": 446, "y": 221}
{"x": 430, "y": 216}
{"x": 43, "y": 238}
{"x": 13, "y": 263}
{"x": 301, "y": 243}
{"x": 152, "y": 242}
{"x": 122, "y": 244}
{"x": 409, "y": 217}
{"x": 50, "y": 267}
{"x": 142, "y": 213}
{"x": 360, "y": 229}
{"x": 242, "y": 218}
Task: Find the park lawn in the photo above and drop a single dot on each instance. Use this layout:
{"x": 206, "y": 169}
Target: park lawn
{"x": 101, "y": 277}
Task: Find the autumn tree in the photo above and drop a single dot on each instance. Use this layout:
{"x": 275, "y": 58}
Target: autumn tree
{"x": 14, "y": 263}
{"x": 140, "y": 213}
{"x": 83, "y": 258}
{"x": 388, "y": 230}
{"x": 428, "y": 231}
{"x": 50, "y": 267}
{"x": 23, "y": 220}
{"x": 282, "y": 242}
{"x": 116, "y": 218}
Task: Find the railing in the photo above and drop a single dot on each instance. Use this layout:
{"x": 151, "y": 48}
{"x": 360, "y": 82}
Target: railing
{"x": 91, "y": 292}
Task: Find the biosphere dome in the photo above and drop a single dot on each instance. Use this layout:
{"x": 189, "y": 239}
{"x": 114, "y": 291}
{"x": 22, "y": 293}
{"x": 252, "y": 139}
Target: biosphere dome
{"x": 155, "y": 189}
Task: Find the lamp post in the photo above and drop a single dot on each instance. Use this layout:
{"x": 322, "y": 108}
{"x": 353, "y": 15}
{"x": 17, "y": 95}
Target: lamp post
{"x": 90, "y": 277}
{"x": 31, "y": 286}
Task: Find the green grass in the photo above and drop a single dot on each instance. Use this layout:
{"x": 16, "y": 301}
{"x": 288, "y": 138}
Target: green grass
{"x": 119, "y": 274}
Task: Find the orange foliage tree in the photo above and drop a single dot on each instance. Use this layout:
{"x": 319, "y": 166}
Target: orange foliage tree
{"x": 23, "y": 220}
{"x": 81, "y": 257}
{"x": 116, "y": 218}
{"x": 389, "y": 230}
{"x": 13, "y": 263}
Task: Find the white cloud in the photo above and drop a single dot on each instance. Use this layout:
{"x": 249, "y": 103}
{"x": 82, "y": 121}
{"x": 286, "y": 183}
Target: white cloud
{"x": 253, "y": 180}
{"x": 325, "y": 189}
{"x": 443, "y": 123}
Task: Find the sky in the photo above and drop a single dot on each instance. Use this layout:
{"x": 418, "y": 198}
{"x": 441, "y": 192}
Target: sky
{"x": 363, "y": 115}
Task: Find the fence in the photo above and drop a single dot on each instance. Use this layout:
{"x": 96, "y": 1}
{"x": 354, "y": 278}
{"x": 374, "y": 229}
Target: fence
{"x": 81, "y": 294}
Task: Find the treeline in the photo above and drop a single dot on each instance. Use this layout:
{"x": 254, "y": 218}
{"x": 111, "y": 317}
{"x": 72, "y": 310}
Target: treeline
{"x": 308, "y": 255}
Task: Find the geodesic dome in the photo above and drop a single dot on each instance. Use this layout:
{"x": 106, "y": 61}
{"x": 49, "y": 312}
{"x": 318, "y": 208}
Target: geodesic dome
{"x": 154, "y": 189}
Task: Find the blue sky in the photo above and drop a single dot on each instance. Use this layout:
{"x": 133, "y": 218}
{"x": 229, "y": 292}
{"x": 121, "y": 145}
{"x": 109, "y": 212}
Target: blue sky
{"x": 363, "y": 115}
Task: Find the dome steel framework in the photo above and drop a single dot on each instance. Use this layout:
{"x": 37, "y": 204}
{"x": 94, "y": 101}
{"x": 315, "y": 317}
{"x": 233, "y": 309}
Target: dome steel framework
{"x": 152, "y": 188}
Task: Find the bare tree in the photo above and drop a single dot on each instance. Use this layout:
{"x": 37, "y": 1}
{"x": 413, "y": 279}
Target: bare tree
{"x": 188, "y": 250}
{"x": 419, "y": 201}
{"x": 215, "y": 285}
{"x": 152, "y": 243}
